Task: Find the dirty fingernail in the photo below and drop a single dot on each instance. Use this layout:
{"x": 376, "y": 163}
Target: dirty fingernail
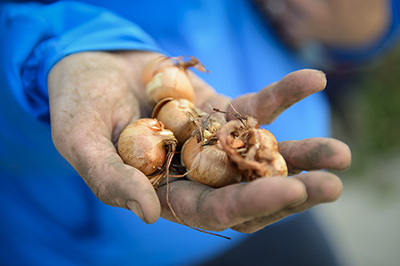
{"x": 135, "y": 208}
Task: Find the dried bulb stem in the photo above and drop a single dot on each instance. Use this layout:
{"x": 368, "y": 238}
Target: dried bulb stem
{"x": 253, "y": 150}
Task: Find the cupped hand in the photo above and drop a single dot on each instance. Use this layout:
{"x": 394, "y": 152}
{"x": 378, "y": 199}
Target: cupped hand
{"x": 250, "y": 207}
{"x": 94, "y": 95}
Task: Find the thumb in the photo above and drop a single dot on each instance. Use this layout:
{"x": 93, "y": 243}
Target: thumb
{"x": 113, "y": 182}
{"x": 123, "y": 186}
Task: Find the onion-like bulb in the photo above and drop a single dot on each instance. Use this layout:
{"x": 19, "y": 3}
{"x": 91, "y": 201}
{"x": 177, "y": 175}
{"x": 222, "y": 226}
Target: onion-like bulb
{"x": 263, "y": 148}
{"x": 254, "y": 150}
{"x": 165, "y": 77}
{"x": 146, "y": 145}
{"x": 209, "y": 164}
{"x": 179, "y": 116}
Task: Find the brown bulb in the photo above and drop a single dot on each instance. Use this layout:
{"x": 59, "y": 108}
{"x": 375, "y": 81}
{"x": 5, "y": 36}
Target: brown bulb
{"x": 145, "y": 145}
{"x": 179, "y": 116}
{"x": 253, "y": 150}
{"x": 209, "y": 164}
{"x": 165, "y": 77}
{"x": 171, "y": 81}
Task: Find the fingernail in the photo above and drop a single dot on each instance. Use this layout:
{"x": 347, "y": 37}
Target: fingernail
{"x": 135, "y": 208}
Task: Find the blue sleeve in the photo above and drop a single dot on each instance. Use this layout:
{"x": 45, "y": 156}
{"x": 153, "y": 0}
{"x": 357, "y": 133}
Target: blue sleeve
{"x": 38, "y": 36}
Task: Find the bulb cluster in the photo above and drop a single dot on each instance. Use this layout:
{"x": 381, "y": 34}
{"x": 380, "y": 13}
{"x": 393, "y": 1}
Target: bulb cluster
{"x": 214, "y": 152}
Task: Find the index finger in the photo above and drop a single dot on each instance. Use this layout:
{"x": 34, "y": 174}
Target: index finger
{"x": 271, "y": 101}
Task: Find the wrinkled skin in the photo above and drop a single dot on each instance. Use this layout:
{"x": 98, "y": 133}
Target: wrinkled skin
{"x": 94, "y": 95}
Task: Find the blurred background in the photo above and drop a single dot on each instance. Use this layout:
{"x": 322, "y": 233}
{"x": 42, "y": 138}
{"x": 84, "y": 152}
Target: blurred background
{"x": 365, "y": 221}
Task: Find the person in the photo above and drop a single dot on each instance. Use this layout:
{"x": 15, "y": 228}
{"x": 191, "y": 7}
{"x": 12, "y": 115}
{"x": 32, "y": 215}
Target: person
{"x": 70, "y": 75}
{"x": 334, "y": 23}
{"x": 346, "y": 39}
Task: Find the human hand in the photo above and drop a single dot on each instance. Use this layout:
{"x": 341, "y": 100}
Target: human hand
{"x": 338, "y": 23}
{"x": 94, "y": 95}
{"x": 250, "y": 207}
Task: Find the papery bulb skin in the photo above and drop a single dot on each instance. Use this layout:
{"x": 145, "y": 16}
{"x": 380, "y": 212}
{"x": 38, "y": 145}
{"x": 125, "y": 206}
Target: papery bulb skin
{"x": 173, "y": 82}
{"x": 165, "y": 77}
{"x": 144, "y": 144}
{"x": 179, "y": 116}
{"x": 209, "y": 164}
{"x": 189, "y": 151}
{"x": 265, "y": 147}
{"x": 151, "y": 67}
{"x": 253, "y": 150}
